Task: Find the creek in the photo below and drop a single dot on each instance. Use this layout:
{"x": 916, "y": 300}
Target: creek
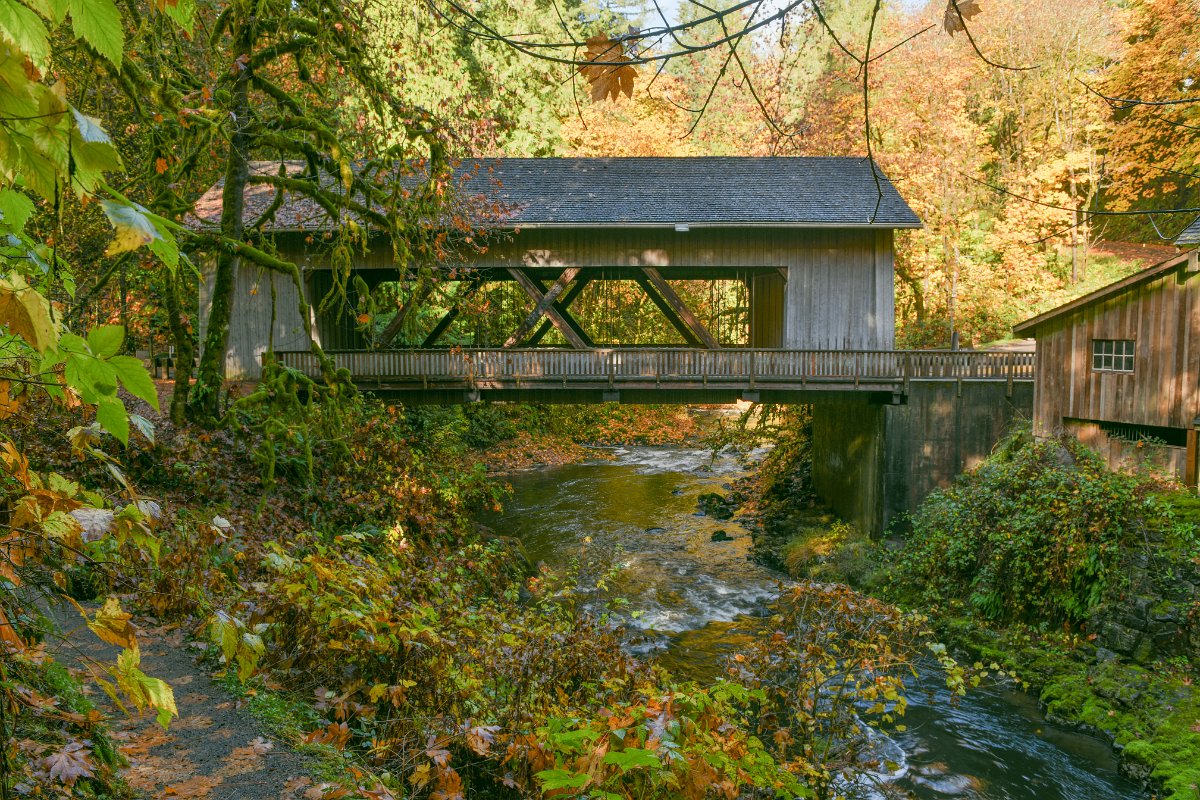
{"x": 693, "y": 600}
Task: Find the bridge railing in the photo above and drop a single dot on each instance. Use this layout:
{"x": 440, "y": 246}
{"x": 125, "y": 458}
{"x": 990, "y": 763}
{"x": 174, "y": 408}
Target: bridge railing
{"x": 671, "y": 365}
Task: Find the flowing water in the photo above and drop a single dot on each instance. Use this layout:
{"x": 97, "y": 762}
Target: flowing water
{"x": 694, "y": 600}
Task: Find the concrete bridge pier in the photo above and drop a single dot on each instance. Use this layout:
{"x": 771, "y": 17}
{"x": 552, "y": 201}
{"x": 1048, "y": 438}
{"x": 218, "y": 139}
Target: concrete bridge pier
{"x": 873, "y": 462}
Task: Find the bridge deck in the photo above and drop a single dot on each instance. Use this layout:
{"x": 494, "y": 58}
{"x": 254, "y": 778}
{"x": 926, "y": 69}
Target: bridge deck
{"x": 661, "y": 375}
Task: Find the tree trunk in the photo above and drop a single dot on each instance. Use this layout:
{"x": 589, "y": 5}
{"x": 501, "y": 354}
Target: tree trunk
{"x": 184, "y": 351}
{"x": 206, "y": 394}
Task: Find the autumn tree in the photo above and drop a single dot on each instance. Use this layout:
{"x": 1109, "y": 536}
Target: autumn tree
{"x": 1155, "y": 141}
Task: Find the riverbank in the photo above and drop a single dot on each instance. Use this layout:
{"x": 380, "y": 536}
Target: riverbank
{"x": 523, "y": 437}
{"x": 1121, "y": 665}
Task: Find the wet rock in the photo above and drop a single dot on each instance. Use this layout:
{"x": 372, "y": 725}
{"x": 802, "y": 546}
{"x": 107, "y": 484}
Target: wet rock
{"x": 714, "y": 505}
{"x": 721, "y": 536}
{"x": 1104, "y": 654}
{"x": 655, "y": 530}
{"x": 1120, "y": 638}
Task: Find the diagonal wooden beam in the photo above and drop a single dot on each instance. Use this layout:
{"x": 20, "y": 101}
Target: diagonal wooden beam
{"x": 544, "y": 306}
{"x": 668, "y": 312}
{"x": 446, "y": 321}
{"x": 562, "y": 307}
{"x": 421, "y": 291}
{"x": 680, "y": 308}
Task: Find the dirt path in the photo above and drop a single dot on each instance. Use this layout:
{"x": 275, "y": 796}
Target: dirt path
{"x": 215, "y": 750}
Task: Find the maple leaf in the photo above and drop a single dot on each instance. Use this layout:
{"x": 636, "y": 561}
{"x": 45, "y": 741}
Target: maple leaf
{"x": 608, "y": 70}
{"x": 957, "y": 13}
{"x": 69, "y": 764}
{"x": 481, "y": 738}
{"x": 112, "y": 625}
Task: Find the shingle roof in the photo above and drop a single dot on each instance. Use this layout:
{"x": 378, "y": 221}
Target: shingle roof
{"x": 1190, "y": 235}
{"x": 598, "y": 192}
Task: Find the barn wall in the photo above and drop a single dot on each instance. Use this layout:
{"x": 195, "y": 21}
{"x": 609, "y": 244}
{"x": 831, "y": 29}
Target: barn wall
{"x": 1163, "y": 317}
{"x": 250, "y": 320}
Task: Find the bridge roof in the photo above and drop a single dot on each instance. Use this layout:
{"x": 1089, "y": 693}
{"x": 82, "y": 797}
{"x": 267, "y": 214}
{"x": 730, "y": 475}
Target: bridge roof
{"x": 805, "y": 192}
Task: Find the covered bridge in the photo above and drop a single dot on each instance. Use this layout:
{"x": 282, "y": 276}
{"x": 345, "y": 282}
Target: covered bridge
{"x": 810, "y": 239}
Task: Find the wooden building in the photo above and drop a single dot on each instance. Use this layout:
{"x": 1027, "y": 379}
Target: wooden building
{"x": 1120, "y": 367}
{"x": 812, "y": 238}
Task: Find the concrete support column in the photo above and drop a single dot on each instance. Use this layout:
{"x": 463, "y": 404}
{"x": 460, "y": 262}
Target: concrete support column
{"x": 874, "y": 463}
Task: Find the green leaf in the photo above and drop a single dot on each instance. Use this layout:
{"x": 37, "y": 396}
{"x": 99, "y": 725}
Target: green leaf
{"x": 552, "y": 779}
{"x": 90, "y": 128}
{"x": 105, "y": 340}
{"x": 112, "y": 416}
{"x": 15, "y": 209}
{"x": 26, "y": 30}
{"x": 136, "y": 379}
{"x": 144, "y": 426}
{"x": 53, "y": 10}
{"x": 632, "y": 758}
{"x": 98, "y": 22}
{"x": 164, "y": 246}
{"x": 183, "y": 12}
{"x": 144, "y": 690}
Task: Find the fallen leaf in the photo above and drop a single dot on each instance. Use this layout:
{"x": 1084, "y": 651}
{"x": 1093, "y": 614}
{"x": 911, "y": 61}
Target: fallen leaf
{"x": 70, "y": 763}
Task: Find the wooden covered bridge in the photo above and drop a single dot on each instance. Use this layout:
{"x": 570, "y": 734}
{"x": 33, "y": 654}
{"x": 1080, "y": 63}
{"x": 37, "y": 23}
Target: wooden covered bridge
{"x": 803, "y": 246}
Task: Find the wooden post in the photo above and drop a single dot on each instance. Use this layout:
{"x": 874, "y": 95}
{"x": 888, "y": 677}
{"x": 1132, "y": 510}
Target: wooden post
{"x": 544, "y": 306}
{"x": 680, "y": 308}
{"x": 419, "y": 293}
{"x": 563, "y": 306}
{"x": 668, "y": 312}
{"x": 1190, "y": 467}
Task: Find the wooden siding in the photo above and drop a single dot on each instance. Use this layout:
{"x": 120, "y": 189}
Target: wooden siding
{"x": 250, "y": 322}
{"x": 767, "y": 297}
{"x": 840, "y": 293}
{"x": 1162, "y": 316}
{"x": 840, "y": 283}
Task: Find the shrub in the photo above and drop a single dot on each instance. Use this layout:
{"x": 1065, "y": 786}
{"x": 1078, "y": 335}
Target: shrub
{"x": 1035, "y": 532}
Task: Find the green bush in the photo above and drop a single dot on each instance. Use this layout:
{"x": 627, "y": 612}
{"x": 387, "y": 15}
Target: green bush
{"x": 1036, "y": 532}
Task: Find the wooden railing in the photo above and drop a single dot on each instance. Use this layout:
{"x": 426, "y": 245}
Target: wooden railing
{"x": 796, "y": 368}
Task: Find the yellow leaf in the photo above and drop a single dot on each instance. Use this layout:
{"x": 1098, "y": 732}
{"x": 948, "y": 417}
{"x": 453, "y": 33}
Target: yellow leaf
{"x": 26, "y": 313}
{"x": 8, "y": 636}
{"x": 112, "y": 625}
{"x": 9, "y": 404}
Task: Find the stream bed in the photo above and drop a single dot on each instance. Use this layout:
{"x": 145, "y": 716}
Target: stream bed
{"x": 693, "y": 600}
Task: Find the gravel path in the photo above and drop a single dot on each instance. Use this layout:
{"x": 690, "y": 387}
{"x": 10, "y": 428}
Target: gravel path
{"x": 214, "y": 750}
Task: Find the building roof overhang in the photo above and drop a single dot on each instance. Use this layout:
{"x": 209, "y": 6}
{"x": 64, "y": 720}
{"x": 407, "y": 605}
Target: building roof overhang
{"x": 1029, "y": 327}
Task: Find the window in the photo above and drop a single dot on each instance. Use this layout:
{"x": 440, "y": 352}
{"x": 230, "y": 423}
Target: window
{"x": 1112, "y": 355}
